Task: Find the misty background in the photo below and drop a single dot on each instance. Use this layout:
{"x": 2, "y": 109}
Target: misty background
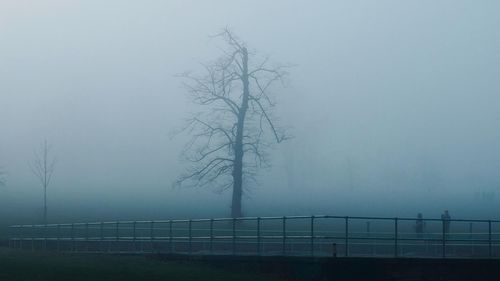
{"x": 394, "y": 106}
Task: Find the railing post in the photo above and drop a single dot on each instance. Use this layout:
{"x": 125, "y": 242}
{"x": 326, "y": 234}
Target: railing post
{"x": 86, "y": 236}
{"x": 312, "y": 236}
{"x": 101, "y": 238}
{"x": 443, "y": 244}
{"x": 151, "y": 235}
{"x": 234, "y": 236}
{"x": 45, "y": 237}
{"x": 396, "y": 237}
{"x": 283, "y": 246}
{"x": 117, "y": 230}
{"x": 15, "y": 236}
{"x": 259, "y": 246}
{"x": 190, "y": 236}
{"x": 170, "y": 239}
{"x": 211, "y": 236}
{"x": 18, "y": 236}
{"x": 12, "y": 239}
{"x": 346, "y": 236}
{"x": 368, "y": 235}
{"x": 21, "y": 237}
{"x": 32, "y": 238}
{"x": 73, "y": 243}
{"x": 10, "y": 236}
{"x": 58, "y": 237}
{"x": 134, "y": 226}
{"x": 489, "y": 239}
{"x": 471, "y": 236}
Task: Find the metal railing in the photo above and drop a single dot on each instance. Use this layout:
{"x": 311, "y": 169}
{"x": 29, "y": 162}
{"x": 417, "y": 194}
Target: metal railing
{"x": 288, "y": 235}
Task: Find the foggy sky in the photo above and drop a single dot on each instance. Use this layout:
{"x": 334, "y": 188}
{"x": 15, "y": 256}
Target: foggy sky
{"x": 394, "y": 105}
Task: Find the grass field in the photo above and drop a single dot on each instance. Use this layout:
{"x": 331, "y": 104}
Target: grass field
{"x": 37, "y": 266}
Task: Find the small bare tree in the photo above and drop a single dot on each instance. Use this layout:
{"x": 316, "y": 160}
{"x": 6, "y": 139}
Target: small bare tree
{"x": 2, "y": 177}
{"x": 229, "y": 139}
{"x": 43, "y": 168}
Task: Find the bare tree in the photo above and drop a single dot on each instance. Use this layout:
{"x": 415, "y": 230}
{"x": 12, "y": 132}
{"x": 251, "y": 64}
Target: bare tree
{"x": 43, "y": 168}
{"x": 2, "y": 177}
{"x": 230, "y": 136}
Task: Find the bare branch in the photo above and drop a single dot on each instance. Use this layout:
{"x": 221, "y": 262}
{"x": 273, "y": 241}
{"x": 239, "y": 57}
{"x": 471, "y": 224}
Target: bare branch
{"x": 279, "y": 138}
{"x": 200, "y": 174}
{"x": 215, "y": 129}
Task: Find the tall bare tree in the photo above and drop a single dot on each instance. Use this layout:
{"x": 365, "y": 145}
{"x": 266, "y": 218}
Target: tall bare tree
{"x": 236, "y": 126}
{"x": 43, "y": 168}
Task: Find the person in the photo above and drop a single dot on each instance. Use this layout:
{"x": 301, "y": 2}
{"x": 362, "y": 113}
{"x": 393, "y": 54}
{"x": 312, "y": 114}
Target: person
{"x": 446, "y": 221}
{"x": 419, "y": 225}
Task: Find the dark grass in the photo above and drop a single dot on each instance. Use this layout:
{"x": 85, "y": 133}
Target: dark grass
{"x": 18, "y": 265}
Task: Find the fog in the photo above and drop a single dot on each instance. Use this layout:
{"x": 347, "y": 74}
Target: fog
{"x": 393, "y": 105}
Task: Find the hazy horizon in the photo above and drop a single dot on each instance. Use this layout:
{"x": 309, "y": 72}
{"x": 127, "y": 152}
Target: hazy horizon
{"x": 393, "y": 106}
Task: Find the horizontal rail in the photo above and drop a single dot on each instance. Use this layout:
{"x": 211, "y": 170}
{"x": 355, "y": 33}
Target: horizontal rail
{"x": 286, "y": 235}
{"x": 257, "y": 218}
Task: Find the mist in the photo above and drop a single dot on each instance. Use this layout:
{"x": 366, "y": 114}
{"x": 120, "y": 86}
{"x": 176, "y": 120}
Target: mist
{"x": 393, "y": 106}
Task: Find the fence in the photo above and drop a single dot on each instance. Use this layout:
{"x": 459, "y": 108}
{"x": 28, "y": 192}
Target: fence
{"x": 286, "y": 236}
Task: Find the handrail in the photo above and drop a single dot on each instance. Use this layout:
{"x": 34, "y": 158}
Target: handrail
{"x": 307, "y": 235}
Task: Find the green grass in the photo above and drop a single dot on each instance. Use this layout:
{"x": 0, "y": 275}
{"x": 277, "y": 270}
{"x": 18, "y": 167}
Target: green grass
{"x": 36, "y": 266}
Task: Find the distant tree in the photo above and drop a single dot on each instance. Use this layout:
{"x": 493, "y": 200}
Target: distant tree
{"x": 43, "y": 168}
{"x": 2, "y": 177}
{"x": 229, "y": 141}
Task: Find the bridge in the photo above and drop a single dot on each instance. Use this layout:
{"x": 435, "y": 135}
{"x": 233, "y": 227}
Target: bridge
{"x": 304, "y": 236}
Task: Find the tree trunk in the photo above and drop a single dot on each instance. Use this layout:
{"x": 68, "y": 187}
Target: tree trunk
{"x": 45, "y": 180}
{"x": 45, "y": 205}
{"x": 236, "y": 210}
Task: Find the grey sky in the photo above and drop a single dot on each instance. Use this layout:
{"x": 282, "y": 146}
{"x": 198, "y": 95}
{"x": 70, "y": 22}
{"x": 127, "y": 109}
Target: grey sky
{"x": 393, "y": 101}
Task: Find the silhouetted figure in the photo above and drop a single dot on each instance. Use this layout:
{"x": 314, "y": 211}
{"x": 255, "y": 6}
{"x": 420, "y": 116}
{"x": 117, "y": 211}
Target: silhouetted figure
{"x": 446, "y": 221}
{"x": 419, "y": 225}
